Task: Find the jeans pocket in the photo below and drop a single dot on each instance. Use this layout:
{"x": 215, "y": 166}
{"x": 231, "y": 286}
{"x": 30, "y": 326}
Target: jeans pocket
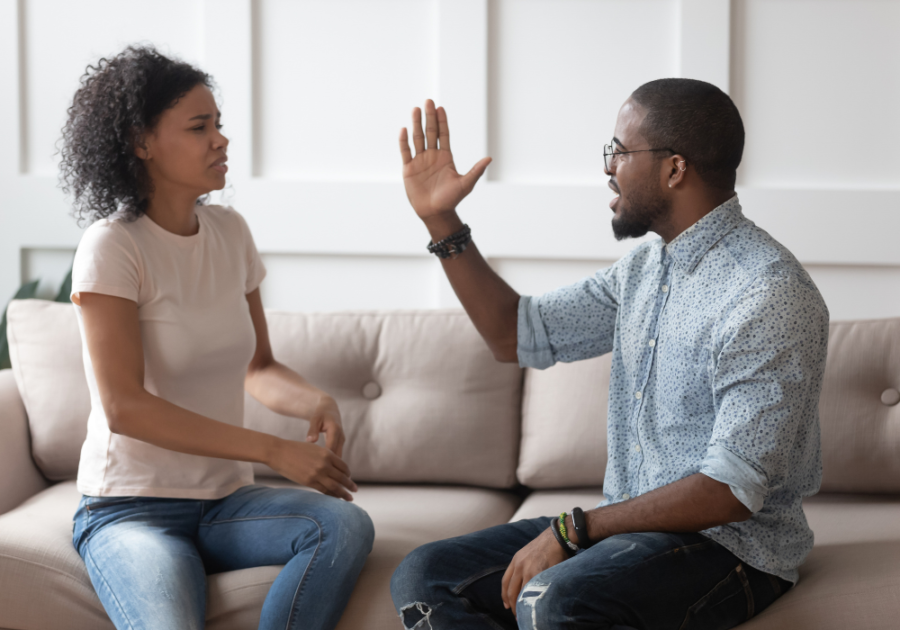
{"x": 727, "y": 605}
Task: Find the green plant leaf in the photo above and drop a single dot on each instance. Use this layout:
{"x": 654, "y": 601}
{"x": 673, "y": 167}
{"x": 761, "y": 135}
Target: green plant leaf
{"x": 65, "y": 291}
{"x": 26, "y": 291}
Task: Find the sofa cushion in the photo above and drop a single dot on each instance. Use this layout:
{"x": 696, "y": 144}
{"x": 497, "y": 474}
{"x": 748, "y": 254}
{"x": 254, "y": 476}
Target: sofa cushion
{"x": 850, "y": 518}
{"x": 564, "y": 425}
{"x": 841, "y": 586}
{"x": 422, "y": 398}
{"x": 858, "y": 410}
{"x": 45, "y": 349}
{"x": 552, "y": 502}
{"x": 37, "y": 558}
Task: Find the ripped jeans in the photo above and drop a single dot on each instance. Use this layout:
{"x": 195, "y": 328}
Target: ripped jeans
{"x": 148, "y": 557}
{"x": 643, "y": 581}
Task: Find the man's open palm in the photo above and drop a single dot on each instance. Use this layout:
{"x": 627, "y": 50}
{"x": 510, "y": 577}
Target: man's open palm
{"x": 432, "y": 183}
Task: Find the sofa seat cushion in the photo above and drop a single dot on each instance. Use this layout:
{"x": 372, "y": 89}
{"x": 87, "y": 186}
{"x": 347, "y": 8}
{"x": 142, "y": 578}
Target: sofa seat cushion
{"x": 552, "y": 502}
{"x": 854, "y": 585}
{"x": 44, "y": 584}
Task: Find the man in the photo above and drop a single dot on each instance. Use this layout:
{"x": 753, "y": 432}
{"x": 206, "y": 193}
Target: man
{"x": 718, "y": 338}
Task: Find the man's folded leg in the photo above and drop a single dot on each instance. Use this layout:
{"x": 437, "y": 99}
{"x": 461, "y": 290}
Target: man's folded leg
{"x": 455, "y": 583}
{"x": 647, "y": 581}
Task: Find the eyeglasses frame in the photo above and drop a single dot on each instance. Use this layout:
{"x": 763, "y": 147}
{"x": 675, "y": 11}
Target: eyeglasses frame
{"x": 610, "y": 150}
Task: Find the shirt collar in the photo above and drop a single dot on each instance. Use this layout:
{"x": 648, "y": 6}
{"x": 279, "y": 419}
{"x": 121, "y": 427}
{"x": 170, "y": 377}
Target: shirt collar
{"x": 691, "y": 245}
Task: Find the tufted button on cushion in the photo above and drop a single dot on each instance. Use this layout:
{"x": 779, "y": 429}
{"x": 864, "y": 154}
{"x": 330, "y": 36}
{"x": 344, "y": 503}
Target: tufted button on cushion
{"x": 371, "y": 390}
{"x": 890, "y": 397}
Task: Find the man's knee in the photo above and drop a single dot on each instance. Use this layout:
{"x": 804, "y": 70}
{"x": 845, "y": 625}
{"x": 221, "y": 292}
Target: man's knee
{"x": 550, "y": 601}
{"x": 412, "y": 582}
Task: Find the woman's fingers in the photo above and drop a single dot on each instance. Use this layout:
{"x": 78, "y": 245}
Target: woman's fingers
{"x": 431, "y": 125}
{"x": 418, "y": 136}
{"x": 405, "y": 153}
{"x": 314, "y": 427}
{"x": 340, "y": 464}
{"x": 343, "y": 479}
{"x": 443, "y": 130}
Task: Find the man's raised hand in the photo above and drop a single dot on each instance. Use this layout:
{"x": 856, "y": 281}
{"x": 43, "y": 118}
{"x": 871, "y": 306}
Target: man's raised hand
{"x": 432, "y": 183}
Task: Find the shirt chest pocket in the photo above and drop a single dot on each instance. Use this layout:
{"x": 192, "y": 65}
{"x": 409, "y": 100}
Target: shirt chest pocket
{"x": 684, "y": 376}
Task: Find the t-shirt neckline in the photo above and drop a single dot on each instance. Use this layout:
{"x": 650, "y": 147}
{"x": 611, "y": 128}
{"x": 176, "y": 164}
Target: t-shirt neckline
{"x": 156, "y": 228}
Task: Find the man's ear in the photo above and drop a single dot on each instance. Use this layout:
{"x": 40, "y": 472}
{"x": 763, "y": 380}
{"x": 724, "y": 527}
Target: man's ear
{"x": 675, "y": 167}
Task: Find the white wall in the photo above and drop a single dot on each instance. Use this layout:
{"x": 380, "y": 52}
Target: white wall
{"x": 314, "y": 92}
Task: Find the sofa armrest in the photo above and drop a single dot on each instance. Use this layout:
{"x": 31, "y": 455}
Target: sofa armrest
{"x": 19, "y": 477}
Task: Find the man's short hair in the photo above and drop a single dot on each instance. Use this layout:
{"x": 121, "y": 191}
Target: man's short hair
{"x": 697, "y": 120}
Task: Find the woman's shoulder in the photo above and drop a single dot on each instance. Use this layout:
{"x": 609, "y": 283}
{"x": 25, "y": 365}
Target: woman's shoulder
{"x": 225, "y": 219}
{"x": 112, "y": 230}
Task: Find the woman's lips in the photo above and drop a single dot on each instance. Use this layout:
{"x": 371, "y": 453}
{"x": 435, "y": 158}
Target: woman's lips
{"x": 222, "y": 168}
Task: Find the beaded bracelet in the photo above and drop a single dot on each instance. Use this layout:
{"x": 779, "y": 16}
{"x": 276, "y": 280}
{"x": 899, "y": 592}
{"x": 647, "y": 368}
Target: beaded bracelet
{"x": 565, "y": 532}
{"x": 453, "y": 245}
{"x": 554, "y": 527}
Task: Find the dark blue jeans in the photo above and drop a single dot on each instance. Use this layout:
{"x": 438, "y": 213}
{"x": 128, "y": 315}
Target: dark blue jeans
{"x": 643, "y": 581}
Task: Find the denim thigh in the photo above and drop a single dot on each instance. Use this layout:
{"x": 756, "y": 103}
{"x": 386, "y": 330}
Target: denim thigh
{"x": 143, "y": 564}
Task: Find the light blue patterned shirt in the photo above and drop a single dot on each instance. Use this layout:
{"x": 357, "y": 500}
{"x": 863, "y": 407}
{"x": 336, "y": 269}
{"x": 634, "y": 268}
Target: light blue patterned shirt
{"x": 718, "y": 342}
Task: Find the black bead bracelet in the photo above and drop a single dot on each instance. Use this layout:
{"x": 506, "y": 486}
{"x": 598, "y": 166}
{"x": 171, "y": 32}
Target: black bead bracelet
{"x": 453, "y": 245}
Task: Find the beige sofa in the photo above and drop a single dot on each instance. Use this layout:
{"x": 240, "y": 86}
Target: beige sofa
{"x": 443, "y": 441}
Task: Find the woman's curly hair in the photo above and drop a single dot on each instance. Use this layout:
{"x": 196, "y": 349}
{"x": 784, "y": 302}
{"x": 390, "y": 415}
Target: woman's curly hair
{"x": 119, "y": 100}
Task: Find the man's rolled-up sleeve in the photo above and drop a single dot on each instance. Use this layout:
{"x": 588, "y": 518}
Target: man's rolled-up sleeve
{"x": 768, "y": 374}
{"x": 569, "y": 324}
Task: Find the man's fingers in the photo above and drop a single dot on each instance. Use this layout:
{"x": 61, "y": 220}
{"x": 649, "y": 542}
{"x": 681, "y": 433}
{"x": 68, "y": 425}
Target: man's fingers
{"x": 512, "y": 590}
{"x": 418, "y": 135}
{"x": 504, "y": 583}
{"x": 431, "y": 125}
{"x": 405, "y": 153}
{"x": 443, "y": 130}
{"x": 470, "y": 178}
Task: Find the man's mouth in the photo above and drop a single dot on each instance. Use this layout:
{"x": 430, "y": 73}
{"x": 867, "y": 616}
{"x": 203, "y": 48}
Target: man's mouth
{"x": 615, "y": 199}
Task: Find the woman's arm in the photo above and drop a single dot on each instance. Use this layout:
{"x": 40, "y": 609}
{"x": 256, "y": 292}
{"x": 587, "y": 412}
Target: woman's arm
{"x": 113, "y": 337}
{"x": 284, "y": 391}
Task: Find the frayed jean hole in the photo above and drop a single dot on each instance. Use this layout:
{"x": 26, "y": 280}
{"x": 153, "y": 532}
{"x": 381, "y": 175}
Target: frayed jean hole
{"x": 420, "y": 615}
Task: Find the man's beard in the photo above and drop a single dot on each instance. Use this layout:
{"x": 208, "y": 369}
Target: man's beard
{"x": 645, "y": 207}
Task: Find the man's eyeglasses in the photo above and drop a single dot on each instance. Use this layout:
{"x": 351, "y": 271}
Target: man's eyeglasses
{"x": 610, "y": 155}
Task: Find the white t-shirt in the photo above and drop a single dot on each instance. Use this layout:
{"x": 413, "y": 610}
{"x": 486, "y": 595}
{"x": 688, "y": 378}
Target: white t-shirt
{"x": 198, "y": 340}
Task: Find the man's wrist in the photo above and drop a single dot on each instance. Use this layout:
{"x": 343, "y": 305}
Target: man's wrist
{"x": 442, "y": 225}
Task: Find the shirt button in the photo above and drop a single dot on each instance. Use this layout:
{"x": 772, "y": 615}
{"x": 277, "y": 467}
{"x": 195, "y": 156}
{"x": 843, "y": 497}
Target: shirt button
{"x": 652, "y": 343}
{"x": 637, "y": 448}
{"x": 665, "y": 288}
{"x": 638, "y": 395}
{"x": 626, "y": 496}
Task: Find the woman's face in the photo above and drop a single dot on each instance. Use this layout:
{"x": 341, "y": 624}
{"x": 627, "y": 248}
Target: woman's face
{"x": 186, "y": 151}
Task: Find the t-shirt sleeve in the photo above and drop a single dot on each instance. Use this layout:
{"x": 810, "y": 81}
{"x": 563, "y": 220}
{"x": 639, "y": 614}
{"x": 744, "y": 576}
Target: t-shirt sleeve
{"x": 256, "y": 270}
{"x": 106, "y": 262}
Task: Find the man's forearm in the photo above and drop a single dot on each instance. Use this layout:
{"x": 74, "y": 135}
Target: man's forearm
{"x": 691, "y": 504}
{"x": 491, "y": 304}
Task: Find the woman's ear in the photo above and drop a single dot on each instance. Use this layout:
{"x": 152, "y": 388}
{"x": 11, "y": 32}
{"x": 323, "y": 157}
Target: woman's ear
{"x": 676, "y": 166}
{"x": 140, "y": 147}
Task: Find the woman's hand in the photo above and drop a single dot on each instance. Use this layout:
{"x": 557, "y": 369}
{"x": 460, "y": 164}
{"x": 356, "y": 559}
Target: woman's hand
{"x": 432, "y": 183}
{"x": 313, "y": 466}
{"x": 327, "y": 419}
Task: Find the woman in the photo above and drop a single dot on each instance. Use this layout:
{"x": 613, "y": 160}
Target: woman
{"x": 167, "y": 296}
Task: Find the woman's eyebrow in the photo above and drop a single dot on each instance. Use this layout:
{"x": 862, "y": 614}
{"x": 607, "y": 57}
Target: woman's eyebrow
{"x": 206, "y": 116}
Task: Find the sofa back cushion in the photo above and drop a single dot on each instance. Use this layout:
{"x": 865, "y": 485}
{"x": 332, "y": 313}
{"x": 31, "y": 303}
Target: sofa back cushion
{"x": 421, "y": 396}
{"x": 45, "y": 350}
{"x": 564, "y": 425}
{"x": 859, "y": 411}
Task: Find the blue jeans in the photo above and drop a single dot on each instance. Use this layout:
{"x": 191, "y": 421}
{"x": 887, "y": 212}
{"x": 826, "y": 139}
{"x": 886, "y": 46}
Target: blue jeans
{"x": 643, "y": 581}
{"x": 148, "y": 557}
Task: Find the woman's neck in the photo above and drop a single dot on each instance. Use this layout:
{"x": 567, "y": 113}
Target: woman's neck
{"x": 176, "y": 215}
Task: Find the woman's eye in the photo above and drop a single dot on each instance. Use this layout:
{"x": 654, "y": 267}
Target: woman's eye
{"x": 219, "y": 126}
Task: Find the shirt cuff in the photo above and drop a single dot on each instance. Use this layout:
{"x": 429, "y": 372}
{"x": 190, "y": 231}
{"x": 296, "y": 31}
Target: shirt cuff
{"x": 747, "y": 484}
{"x": 533, "y": 345}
